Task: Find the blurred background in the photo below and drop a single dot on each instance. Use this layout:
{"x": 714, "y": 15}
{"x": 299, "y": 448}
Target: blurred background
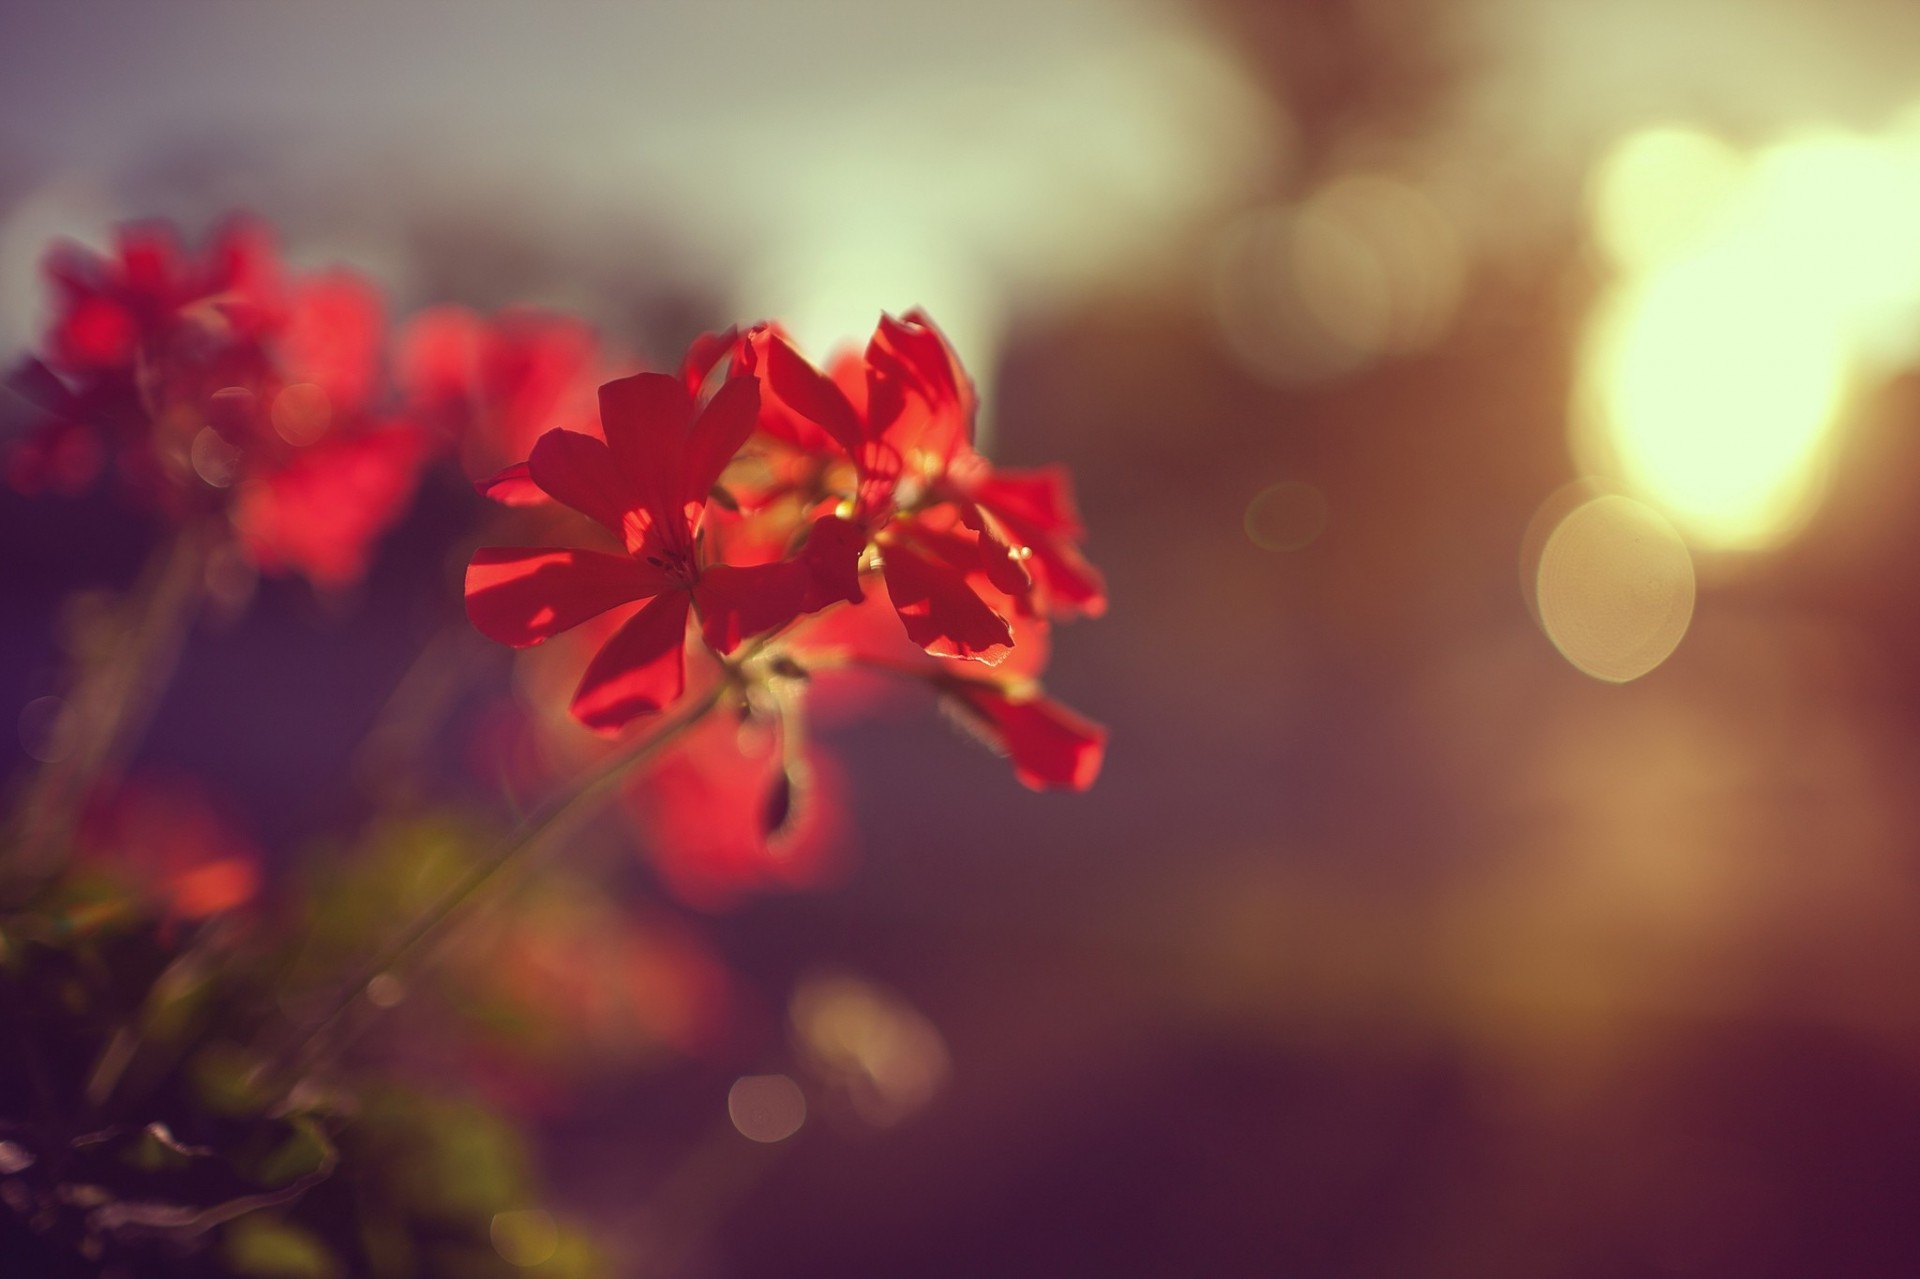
{"x": 1496, "y": 419}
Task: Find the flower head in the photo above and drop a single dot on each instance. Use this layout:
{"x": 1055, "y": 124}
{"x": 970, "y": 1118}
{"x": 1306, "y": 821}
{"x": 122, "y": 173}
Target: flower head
{"x": 648, "y": 484}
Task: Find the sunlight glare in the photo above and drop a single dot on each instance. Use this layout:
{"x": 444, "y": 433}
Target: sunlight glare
{"x": 1756, "y": 298}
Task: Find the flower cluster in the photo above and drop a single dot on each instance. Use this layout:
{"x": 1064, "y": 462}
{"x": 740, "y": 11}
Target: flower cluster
{"x": 760, "y": 534}
{"x": 222, "y": 386}
{"x": 733, "y": 550}
{"x": 787, "y": 524}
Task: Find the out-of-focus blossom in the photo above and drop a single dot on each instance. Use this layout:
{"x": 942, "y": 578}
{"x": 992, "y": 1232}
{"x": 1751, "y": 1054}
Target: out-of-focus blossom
{"x": 566, "y": 984}
{"x": 219, "y": 386}
{"x": 490, "y": 386}
{"x": 742, "y": 803}
{"x": 166, "y": 839}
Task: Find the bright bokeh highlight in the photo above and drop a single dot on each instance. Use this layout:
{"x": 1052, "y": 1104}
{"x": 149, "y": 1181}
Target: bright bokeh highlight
{"x": 1615, "y": 588}
{"x": 766, "y": 1108}
{"x": 1756, "y": 297}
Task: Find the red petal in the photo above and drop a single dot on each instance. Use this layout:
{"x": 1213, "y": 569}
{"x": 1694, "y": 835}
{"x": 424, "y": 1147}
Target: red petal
{"x": 1037, "y": 507}
{"x": 577, "y": 470}
{"x": 513, "y": 487}
{"x": 646, "y": 418}
{"x": 736, "y": 603}
{"x": 941, "y": 612}
{"x": 641, "y": 670}
{"x": 1051, "y": 746}
{"x": 811, "y": 394}
{"x": 520, "y": 595}
{"x": 722, "y": 428}
{"x": 832, "y": 556}
{"x": 704, "y": 356}
{"x": 999, "y": 558}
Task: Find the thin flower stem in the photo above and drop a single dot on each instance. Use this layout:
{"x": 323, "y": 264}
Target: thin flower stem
{"x": 557, "y": 817}
{"x": 116, "y": 692}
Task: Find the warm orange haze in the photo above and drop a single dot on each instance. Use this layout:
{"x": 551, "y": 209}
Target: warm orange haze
{"x": 1411, "y": 509}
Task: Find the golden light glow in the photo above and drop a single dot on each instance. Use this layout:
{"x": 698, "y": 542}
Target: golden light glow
{"x": 1615, "y": 588}
{"x": 1756, "y": 296}
{"x": 1659, "y": 190}
{"x": 525, "y": 1238}
{"x": 1368, "y": 266}
{"x": 1719, "y": 397}
{"x": 871, "y": 1046}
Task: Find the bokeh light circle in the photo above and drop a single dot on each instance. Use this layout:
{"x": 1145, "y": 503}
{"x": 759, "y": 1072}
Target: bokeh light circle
{"x": 766, "y": 1108}
{"x": 1286, "y": 516}
{"x": 1615, "y": 588}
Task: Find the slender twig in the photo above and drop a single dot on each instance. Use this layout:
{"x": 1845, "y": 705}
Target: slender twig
{"x": 532, "y": 834}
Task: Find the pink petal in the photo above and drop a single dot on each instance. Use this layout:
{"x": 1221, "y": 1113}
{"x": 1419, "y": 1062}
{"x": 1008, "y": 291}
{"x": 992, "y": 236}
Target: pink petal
{"x": 641, "y": 670}
{"x": 520, "y": 595}
{"x": 941, "y": 612}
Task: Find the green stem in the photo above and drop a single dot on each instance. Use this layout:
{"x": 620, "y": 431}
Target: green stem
{"x": 557, "y": 817}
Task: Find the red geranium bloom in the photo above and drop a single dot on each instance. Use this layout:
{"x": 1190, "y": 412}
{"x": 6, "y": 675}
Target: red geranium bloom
{"x": 648, "y": 484}
{"x": 902, "y": 414}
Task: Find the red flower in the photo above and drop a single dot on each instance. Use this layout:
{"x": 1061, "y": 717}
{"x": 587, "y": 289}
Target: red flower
{"x": 648, "y": 484}
{"x": 902, "y": 414}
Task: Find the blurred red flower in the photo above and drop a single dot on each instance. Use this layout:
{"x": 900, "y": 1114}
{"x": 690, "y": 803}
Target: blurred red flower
{"x": 165, "y": 838}
{"x": 219, "y": 386}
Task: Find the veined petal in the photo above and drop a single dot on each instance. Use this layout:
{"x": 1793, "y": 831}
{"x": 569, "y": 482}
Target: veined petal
{"x": 941, "y": 612}
{"x": 723, "y": 426}
{"x": 641, "y": 670}
{"x": 1051, "y": 746}
{"x": 520, "y": 595}
{"x": 577, "y": 470}
{"x": 738, "y": 602}
{"x": 646, "y": 418}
